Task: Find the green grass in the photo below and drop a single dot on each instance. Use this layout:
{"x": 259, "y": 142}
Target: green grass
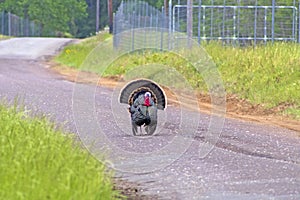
{"x": 74, "y": 54}
{"x": 293, "y": 112}
{"x": 161, "y": 72}
{"x": 267, "y": 75}
{"x": 37, "y": 161}
{"x": 3, "y": 37}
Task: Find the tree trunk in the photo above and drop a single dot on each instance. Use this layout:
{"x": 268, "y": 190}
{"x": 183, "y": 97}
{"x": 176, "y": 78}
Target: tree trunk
{"x": 110, "y": 15}
{"x": 166, "y": 6}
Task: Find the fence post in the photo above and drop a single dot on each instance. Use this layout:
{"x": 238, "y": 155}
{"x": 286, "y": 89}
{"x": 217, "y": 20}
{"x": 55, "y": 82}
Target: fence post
{"x": 238, "y": 21}
{"x": 173, "y": 18}
{"x": 265, "y": 26}
{"x": 31, "y": 25}
{"x": 139, "y": 17}
{"x": 273, "y": 19}
{"x": 20, "y": 22}
{"x": 150, "y": 22}
{"x": 9, "y": 24}
{"x": 115, "y": 33}
{"x": 199, "y": 21}
{"x": 234, "y": 25}
{"x": 223, "y": 21}
{"x": 255, "y": 23}
{"x": 162, "y": 28}
{"x": 26, "y": 28}
{"x": 132, "y": 28}
{"x": 178, "y": 17}
{"x": 156, "y": 26}
{"x": 173, "y": 31}
{"x": 170, "y": 24}
{"x": 190, "y": 22}
{"x": 145, "y": 24}
{"x": 3, "y": 22}
{"x": 211, "y": 19}
{"x": 97, "y": 15}
{"x": 294, "y": 32}
{"x": 203, "y": 23}
{"x": 299, "y": 23}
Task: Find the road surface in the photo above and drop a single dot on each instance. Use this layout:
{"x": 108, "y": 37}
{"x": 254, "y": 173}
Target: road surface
{"x": 249, "y": 161}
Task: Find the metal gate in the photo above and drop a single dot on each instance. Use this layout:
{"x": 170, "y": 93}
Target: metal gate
{"x": 239, "y": 23}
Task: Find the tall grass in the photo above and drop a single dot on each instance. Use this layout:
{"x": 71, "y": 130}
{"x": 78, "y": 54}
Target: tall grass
{"x": 267, "y": 74}
{"x": 38, "y": 161}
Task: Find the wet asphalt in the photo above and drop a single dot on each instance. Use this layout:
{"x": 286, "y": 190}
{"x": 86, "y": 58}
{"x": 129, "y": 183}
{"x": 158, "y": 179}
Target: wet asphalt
{"x": 249, "y": 160}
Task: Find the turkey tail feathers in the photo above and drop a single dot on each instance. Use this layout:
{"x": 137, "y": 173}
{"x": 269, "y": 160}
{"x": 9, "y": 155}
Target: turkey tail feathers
{"x": 134, "y": 88}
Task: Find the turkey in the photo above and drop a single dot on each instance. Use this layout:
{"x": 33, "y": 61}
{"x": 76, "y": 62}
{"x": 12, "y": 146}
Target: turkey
{"x": 144, "y": 97}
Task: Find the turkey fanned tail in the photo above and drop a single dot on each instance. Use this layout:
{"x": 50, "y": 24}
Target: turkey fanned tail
{"x": 134, "y": 88}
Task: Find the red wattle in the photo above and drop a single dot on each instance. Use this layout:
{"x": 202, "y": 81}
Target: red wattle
{"x": 147, "y": 101}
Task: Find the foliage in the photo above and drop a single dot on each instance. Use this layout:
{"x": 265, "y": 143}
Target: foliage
{"x": 88, "y": 27}
{"x": 37, "y": 161}
{"x": 56, "y": 16}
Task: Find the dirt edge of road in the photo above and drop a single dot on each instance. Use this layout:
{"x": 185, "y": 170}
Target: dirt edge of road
{"x": 236, "y": 108}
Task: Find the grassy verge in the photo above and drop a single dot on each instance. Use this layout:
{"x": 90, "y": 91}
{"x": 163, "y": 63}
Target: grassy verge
{"x": 266, "y": 75}
{"x": 74, "y": 54}
{"x": 3, "y": 37}
{"x": 40, "y": 162}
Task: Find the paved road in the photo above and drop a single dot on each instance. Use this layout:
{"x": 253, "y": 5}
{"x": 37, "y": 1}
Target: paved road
{"x": 250, "y": 161}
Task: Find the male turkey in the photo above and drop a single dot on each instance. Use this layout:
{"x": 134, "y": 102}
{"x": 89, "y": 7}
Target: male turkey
{"x": 144, "y": 98}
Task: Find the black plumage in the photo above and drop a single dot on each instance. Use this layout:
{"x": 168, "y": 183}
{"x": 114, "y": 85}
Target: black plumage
{"x": 134, "y": 94}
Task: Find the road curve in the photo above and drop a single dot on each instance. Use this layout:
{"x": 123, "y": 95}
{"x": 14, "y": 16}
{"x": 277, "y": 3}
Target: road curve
{"x": 249, "y": 161}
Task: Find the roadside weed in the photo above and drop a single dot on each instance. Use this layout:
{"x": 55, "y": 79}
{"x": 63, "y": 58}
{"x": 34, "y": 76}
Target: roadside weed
{"x": 38, "y": 161}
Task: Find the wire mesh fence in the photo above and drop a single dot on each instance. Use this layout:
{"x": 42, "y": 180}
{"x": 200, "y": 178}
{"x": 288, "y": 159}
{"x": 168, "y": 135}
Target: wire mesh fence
{"x": 13, "y": 25}
{"x": 141, "y": 19}
{"x": 238, "y": 22}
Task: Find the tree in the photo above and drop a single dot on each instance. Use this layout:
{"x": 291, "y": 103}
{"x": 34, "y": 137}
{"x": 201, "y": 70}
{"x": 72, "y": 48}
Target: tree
{"x": 58, "y": 15}
{"x": 54, "y": 15}
{"x": 88, "y": 25}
